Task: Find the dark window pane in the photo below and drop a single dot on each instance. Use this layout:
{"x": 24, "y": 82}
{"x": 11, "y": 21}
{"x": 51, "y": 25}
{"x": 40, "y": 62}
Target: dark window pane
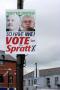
{"x": 1, "y": 78}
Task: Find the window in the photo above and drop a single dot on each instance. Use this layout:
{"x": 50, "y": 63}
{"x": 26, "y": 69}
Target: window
{"x": 35, "y": 81}
{"x": 48, "y": 82}
{"x": 10, "y": 78}
{"x": 27, "y": 88}
{"x": 56, "y": 80}
{"x": 29, "y": 82}
{"x": 1, "y": 78}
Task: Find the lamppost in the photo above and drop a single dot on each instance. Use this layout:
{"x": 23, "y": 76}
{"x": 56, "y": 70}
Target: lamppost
{"x": 36, "y": 75}
{"x": 36, "y": 69}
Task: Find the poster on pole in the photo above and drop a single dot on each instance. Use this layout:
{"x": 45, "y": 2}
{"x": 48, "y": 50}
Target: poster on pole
{"x": 20, "y": 31}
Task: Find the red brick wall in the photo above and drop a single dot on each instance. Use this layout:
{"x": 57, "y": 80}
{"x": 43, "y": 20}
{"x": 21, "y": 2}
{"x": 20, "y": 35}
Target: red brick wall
{"x": 4, "y": 69}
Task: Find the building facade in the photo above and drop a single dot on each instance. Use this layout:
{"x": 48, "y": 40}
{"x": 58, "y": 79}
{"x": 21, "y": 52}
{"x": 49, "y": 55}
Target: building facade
{"x": 47, "y": 79}
{"x": 51, "y": 77}
{"x": 7, "y": 71}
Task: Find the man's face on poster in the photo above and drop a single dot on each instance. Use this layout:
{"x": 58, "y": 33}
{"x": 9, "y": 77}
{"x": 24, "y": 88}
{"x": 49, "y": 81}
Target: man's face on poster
{"x": 28, "y": 22}
{"x": 13, "y": 23}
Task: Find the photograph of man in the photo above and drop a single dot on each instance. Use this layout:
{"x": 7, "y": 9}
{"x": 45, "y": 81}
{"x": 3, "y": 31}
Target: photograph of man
{"x": 12, "y": 23}
{"x": 28, "y": 23}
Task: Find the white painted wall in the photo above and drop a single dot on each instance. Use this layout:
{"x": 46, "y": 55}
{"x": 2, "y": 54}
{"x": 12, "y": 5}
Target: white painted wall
{"x": 41, "y": 82}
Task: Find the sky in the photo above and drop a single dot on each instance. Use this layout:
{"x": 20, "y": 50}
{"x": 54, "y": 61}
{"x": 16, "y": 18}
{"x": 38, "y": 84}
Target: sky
{"x": 47, "y": 54}
{"x": 47, "y": 33}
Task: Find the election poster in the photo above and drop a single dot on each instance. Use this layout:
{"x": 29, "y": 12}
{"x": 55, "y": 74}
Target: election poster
{"x": 20, "y": 31}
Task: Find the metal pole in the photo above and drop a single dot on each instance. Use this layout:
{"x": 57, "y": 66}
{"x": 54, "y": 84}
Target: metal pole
{"x": 36, "y": 69}
{"x": 20, "y": 58}
{"x": 36, "y": 74}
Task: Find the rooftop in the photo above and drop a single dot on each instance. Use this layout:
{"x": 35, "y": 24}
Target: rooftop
{"x": 49, "y": 72}
{"x": 44, "y": 72}
{"x": 4, "y": 56}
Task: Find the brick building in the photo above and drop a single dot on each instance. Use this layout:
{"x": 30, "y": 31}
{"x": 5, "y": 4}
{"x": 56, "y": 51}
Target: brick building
{"x": 7, "y": 71}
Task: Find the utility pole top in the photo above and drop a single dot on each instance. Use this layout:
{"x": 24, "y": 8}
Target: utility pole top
{"x": 20, "y": 4}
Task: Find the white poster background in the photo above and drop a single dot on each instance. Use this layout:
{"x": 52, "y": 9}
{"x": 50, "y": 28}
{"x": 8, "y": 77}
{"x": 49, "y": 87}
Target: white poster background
{"x": 15, "y": 30}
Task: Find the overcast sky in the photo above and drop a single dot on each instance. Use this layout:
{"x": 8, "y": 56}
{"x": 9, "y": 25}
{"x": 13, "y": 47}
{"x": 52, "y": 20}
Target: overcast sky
{"x": 47, "y": 32}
